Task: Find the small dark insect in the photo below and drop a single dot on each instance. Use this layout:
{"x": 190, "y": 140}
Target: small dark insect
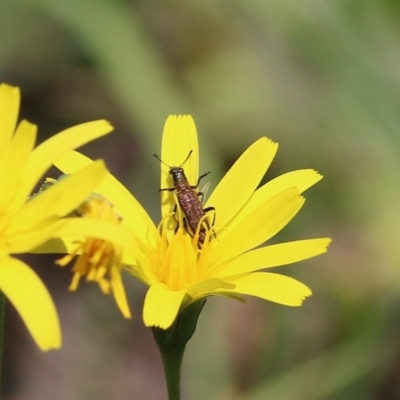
{"x": 189, "y": 200}
{"x": 44, "y": 186}
{"x": 86, "y": 204}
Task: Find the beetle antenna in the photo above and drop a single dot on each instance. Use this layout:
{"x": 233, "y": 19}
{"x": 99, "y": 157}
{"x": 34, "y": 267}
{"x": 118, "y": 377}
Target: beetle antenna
{"x": 159, "y": 159}
{"x": 187, "y": 157}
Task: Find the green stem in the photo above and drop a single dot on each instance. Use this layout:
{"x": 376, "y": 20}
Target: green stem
{"x": 2, "y": 312}
{"x": 172, "y": 355}
{"x": 172, "y": 343}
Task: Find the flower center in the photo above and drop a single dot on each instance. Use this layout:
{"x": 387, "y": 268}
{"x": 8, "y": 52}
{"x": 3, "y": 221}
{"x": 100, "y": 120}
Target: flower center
{"x": 95, "y": 258}
{"x": 178, "y": 260}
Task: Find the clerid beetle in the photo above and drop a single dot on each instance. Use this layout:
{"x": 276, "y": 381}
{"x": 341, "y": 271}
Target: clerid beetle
{"x": 189, "y": 201}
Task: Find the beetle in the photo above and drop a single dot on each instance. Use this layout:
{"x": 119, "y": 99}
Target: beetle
{"x": 189, "y": 201}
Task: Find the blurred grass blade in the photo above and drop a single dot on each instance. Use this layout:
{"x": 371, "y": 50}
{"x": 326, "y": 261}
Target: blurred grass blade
{"x": 333, "y": 371}
{"x": 114, "y": 35}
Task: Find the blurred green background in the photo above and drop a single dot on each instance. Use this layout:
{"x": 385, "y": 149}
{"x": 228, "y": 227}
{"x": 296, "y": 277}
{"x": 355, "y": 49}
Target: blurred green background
{"x": 322, "y": 78}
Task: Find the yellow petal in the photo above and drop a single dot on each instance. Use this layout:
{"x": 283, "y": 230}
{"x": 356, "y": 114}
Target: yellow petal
{"x": 13, "y": 164}
{"x": 84, "y": 227}
{"x": 178, "y": 140}
{"x": 119, "y": 293}
{"x": 125, "y": 204}
{"x": 300, "y": 179}
{"x": 161, "y": 306}
{"x": 241, "y": 180}
{"x": 259, "y": 226}
{"x": 271, "y": 256}
{"x": 24, "y": 241}
{"x": 46, "y": 153}
{"x": 60, "y": 199}
{"x": 33, "y": 302}
{"x": 68, "y": 245}
{"x": 9, "y": 109}
{"x": 207, "y": 287}
{"x": 55, "y": 246}
{"x": 142, "y": 272}
{"x": 71, "y": 229}
{"x": 272, "y": 287}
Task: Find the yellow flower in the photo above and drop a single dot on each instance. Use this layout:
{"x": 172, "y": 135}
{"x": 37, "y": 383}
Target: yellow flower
{"x": 26, "y": 224}
{"x": 97, "y": 259}
{"x": 171, "y": 262}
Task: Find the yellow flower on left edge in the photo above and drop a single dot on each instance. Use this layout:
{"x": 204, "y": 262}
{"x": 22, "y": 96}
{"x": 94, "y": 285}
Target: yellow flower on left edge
{"x": 26, "y": 224}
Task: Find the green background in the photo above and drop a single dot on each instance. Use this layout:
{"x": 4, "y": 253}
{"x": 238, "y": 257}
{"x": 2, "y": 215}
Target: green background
{"x": 322, "y": 78}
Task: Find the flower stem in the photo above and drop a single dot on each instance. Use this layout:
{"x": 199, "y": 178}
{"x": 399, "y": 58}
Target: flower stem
{"x": 172, "y": 355}
{"x": 2, "y": 312}
{"x": 172, "y": 343}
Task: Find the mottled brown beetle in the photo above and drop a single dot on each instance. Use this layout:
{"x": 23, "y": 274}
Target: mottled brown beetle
{"x": 189, "y": 201}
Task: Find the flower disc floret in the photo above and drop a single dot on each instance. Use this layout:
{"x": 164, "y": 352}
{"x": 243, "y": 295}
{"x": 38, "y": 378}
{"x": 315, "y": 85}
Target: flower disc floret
{"x": 97, "y": 259}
